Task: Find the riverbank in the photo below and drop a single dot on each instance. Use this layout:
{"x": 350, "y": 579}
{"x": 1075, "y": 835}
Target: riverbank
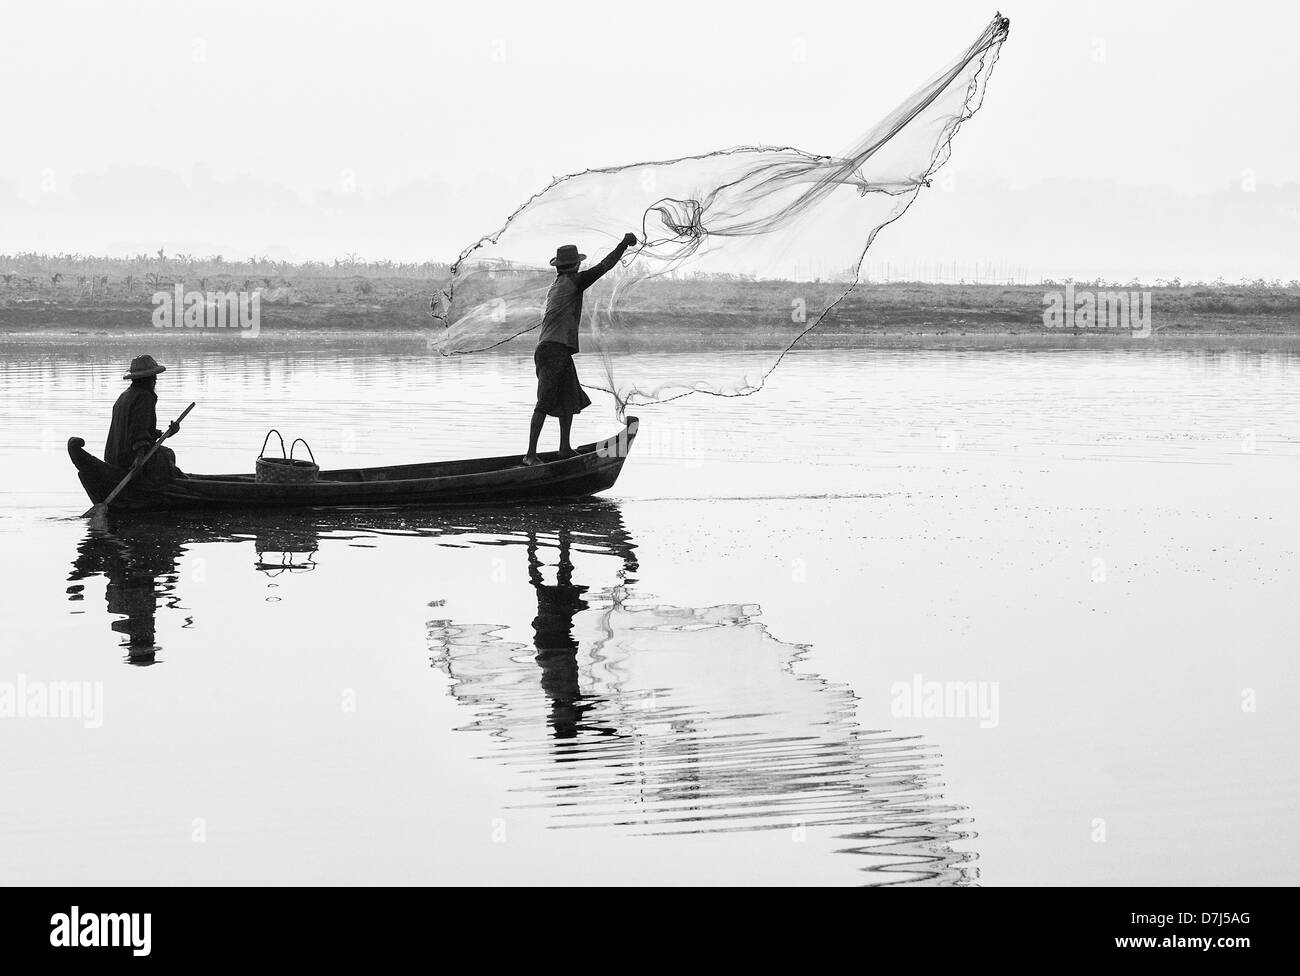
{"x": 694, "y": 314}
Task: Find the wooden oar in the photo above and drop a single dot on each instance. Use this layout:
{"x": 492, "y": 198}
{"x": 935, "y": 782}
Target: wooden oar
{"x": 98, "y": 512}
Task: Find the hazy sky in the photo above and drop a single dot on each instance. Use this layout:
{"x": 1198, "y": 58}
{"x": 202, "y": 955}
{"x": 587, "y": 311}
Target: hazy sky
{"x": 406, "y": 130}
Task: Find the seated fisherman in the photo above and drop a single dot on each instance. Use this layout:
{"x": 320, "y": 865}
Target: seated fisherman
{"x": 134, "y": 428}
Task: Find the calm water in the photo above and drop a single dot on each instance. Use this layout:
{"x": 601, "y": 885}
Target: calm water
{"x": 706, "y": 676}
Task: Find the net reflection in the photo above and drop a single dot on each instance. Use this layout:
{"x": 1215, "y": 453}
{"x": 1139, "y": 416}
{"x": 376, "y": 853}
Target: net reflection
{"x": 624, "y": 713}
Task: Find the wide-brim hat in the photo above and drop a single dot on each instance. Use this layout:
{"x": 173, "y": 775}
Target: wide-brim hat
{"x": 143, "y": 366}
{"x": 567, "y": 254}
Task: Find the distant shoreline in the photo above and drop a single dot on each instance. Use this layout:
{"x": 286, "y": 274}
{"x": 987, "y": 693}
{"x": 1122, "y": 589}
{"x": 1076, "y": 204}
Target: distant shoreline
{"x": 680, "y": 314}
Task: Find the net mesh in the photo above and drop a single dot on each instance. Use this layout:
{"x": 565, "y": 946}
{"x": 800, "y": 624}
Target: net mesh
{"x": 741, "y": 251}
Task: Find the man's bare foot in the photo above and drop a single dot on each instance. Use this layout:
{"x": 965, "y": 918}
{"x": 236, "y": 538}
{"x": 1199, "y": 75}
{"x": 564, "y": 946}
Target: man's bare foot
{"x": 529, "y": 460}
{"x": 565, "y": 455}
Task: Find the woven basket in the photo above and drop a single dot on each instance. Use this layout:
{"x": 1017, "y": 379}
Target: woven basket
{"x": 285, "y": 470}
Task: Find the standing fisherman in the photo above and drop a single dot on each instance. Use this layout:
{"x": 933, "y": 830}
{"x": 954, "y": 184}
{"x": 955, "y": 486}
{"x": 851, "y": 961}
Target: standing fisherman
{"x": 559, "y": 394}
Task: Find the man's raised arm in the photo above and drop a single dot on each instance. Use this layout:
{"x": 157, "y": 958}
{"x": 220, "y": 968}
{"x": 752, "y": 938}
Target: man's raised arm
{"x": 593, "y": 274}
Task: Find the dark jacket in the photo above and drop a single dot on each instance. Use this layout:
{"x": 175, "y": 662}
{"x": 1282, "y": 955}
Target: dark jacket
{"x": 134, "y": 426}
{"x": 564, "y": 301}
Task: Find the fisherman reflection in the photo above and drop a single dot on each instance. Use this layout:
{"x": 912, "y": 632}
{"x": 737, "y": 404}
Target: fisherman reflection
{"x": 141, "y": 568}
{"x": 557, "y": 649}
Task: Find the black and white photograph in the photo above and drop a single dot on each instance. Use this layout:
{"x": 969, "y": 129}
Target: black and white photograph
{"x": 731, "y": 444}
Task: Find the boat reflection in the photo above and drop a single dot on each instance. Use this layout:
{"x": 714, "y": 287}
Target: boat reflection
{"x": 616, "y": 711}
{"x": 140, "y": 561}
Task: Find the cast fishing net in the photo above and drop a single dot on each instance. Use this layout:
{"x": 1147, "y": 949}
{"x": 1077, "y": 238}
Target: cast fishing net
{"x": 741, "y": 251}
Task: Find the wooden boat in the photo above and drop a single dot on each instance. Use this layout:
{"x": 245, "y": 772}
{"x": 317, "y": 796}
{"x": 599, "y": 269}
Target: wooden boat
{"x": 480, "y": 481}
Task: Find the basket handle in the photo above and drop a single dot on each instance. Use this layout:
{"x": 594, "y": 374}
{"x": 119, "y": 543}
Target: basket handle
{"x": 262, "y": 453}
{"x": 294, "y": 445}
